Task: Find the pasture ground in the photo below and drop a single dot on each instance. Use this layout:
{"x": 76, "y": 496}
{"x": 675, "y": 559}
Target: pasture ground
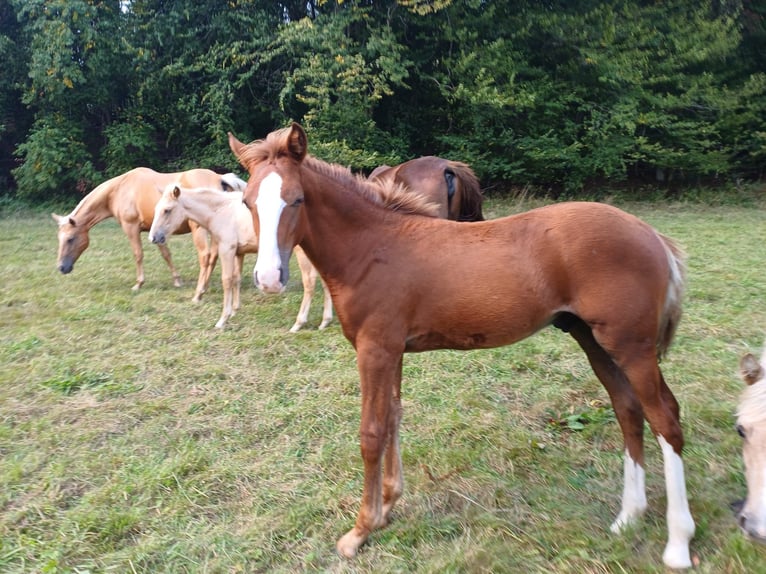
{"x": 136, "y": 438}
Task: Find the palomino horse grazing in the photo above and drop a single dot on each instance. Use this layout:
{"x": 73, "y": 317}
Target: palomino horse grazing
{"x": 402, "y": 282}
{"x": 130, "y": 198}
{"x": 230, "y": 224}
{"x": 751, "y": 425}
{"x": 450, "y": 184}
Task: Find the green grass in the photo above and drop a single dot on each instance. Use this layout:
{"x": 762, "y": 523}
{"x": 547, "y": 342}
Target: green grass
{"x": 136, "y": 438}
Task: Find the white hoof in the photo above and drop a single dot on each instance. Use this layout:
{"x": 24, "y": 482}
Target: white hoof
{"x": 677, "y": 556}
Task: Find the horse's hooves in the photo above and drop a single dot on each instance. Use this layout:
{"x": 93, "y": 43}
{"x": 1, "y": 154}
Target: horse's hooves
{"x": 677, "y": 557}
{"x": 348, "y": 544}
{"x": 295, "y": 328}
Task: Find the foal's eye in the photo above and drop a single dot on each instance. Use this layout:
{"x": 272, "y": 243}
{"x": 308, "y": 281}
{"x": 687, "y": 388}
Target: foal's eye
{"x": 741, "y": 431}
{"x": 297, "y": 202}
{"x": 167, "y": 211}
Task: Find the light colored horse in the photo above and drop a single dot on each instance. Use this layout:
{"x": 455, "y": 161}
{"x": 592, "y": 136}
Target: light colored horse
{"x": 403, "y": 282}
{"x": 130, "y": 198}
{"x": 231, "y": 225}
{"x": 751, "y": 425}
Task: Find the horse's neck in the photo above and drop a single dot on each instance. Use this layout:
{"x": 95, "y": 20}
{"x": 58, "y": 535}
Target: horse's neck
{"x": 342, "y": 226}
{"x": 203, "y": 205}
{"x": 96, "y": 206}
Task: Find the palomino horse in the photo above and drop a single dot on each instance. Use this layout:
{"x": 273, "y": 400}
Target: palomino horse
{"x": 402, "y": 282}
{"x": 450, "y": 184}
{"x": 230, "y": 224}
{"x": 751, "y": 425}
{"x": 130, "y": 198}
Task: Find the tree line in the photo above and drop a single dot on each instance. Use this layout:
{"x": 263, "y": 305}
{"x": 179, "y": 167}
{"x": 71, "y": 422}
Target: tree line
{"x": 551, "y": 94}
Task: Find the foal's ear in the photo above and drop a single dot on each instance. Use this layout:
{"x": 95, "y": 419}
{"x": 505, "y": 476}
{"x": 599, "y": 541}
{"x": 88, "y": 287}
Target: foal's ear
{"x": 297, "y": 142}
{"x": 176, "y": 191}
{"x": 235, "y": 145}
{"x": 57, "y": 218}
{"x": 750, "y": 369}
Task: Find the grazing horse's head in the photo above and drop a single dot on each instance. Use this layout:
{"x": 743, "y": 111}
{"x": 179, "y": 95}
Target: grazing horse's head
{"x": 168, "y": 216}
{"x": 73, "y": 240}
{"x": 751, "y": 425}
{"x": 274, "y": 195}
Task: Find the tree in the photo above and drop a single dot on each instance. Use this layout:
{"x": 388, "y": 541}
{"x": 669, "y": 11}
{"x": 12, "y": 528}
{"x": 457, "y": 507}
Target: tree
{"x": 71, "y": 89}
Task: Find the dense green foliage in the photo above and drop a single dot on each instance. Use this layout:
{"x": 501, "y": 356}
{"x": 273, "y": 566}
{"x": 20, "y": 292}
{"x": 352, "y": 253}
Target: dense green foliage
{"x": 554, "y": 94}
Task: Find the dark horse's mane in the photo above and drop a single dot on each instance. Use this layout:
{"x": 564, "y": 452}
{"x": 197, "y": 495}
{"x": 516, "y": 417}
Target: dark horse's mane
{"x": 393, "y": 196}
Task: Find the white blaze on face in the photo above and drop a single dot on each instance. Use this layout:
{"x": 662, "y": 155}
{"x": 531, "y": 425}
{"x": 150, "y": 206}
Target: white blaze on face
{"x": 267, "y": 272}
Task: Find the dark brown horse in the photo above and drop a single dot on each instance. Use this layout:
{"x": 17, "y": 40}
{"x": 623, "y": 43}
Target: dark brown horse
{"x": 450, "y": 184}
{"x": 403, "y": 282}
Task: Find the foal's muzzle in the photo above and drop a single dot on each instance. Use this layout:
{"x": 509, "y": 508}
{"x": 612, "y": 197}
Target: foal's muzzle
{"x": 274, "y": 287}
{"x": 747, "y": 525}
{"x": 158, "y": 238}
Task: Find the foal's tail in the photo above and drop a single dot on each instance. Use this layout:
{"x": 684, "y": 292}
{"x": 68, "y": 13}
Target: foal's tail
{"x": 671, "y": 315}
{"x": 471, "y": 196}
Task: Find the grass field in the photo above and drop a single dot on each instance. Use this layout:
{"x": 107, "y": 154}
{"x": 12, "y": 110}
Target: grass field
{"x": 136, "y": 438}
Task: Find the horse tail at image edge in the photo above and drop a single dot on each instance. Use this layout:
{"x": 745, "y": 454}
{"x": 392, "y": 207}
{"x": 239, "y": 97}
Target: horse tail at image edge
{"x": 671, "y": 315}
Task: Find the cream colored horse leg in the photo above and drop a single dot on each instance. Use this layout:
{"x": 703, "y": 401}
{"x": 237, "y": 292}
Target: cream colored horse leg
{"x": 207, "y": 256}
{"x": 309, "y": 276}
{"x": 135, "y": 239}
{"x": 166, "y": 256}
{"x": 237, "y": 281}
{"x": 134, "y": 236}
{"x": 227, "y": 280}
{"x": 327, "y": 309}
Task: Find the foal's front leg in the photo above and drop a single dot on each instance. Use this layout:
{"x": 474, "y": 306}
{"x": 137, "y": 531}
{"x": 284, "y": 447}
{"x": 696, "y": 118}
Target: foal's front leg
{"x": 380, "y": 373}
{"x": 227, "y": 280}
{"x": 393, "y": 482}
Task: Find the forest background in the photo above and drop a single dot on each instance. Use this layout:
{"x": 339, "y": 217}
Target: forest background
{"x": 554, "y": 96}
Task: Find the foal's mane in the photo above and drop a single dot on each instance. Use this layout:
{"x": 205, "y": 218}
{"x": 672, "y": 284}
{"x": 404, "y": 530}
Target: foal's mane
{"x": 393, "y": 196}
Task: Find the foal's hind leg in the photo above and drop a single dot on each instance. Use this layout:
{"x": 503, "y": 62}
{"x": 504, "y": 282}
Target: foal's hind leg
{"x": 661, "y": 410}
{"x": 630, "y": 416}
{"x": 207, "y": 254}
